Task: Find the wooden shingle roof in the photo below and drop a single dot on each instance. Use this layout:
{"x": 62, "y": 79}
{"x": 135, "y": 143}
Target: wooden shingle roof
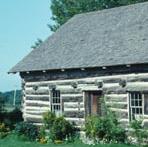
{"x": 117, "y": 36}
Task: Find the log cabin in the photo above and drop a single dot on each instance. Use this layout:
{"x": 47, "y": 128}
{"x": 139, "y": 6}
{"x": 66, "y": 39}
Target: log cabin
{"x": 94, "y": 56}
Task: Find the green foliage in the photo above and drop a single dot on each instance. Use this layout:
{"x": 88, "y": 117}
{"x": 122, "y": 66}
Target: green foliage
{"x": 13, "y": 117}
{"x": 27, "y": 130}
{"x": 48, "y": 119}
{"x": 136, "y": 124}
{"x": 42, "y": 135}
{"x": 106, "y": 129}
{"x": 2, "y": 102}
{"x": 37, "y": 43}
{"x": 63, "y": 10}
{"x": 8, "y": 97}
{"x": 61, "y": 129}
{"x": 3, "y": 130}
{"x": 139, "y": 132}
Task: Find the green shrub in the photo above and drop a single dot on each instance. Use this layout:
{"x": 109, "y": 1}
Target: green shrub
{"x": 3, "y": 130}
{"x": 27, "y": 130}
{"x": 105, "y": 129}
{"x": 139, "y": 132}
{"x": 48, "y": 119}
{"x": 61, "y": 129}
{"x": 43, "y": 137}
{"x": 13, "y": 117}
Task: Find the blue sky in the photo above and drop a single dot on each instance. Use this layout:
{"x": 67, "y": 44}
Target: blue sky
{"x": 21, "y": 23}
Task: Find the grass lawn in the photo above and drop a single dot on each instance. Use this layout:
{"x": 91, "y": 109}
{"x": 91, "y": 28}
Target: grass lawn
{"x": 13, "y": 141}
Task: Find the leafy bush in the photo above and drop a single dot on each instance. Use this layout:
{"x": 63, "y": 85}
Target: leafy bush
{"x": 105, "y": 129}
{"x": 61, "y": 129}
{"x": 13, "y": 117}
{"x": 48, "y": 119}
{"x": 27, "y": 130}
{"x": 3, "y": 130}
{"x": 139, "y": 132}
{"x": 43, "y": 135}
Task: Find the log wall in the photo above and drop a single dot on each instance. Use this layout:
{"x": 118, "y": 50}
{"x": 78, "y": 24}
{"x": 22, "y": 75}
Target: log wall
{"x": 37, "y": 99}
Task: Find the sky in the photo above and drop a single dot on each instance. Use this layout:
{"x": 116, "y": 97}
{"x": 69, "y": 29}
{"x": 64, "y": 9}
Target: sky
{"x": 21, "y": 23}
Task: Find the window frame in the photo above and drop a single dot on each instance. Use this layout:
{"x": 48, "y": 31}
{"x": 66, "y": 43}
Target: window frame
{"x": 134, "y": 104}
{"x": 56, "y": 102}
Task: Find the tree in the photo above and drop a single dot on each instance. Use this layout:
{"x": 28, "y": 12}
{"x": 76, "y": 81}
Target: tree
{"x": 37, "y": 43}
{"x": 63, "y": 10}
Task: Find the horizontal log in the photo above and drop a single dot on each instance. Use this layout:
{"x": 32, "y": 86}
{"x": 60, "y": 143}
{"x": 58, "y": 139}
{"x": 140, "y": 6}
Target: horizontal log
{"x": 116, "y": 103}
{"x": 37, "y": 88}
{"x": 90, "y": 80}
{"x": 90, "y": 88}
{"x": 111, "y": 85}
{"x": 120, "y": 105}
{"x": 33, "y": 116}
{"x": 115, "y": 91}
{"x": 137, "y": 86}
{"x": 33, "y": 120}
{"x": 38, "y": 97}
{"x": 71, "y": 91}
{"x": 37, "y": 103}
{"x": 116, "y": 97}
{"x": 73, "y": 105}
{"x": 119, "y": 110}
{"x": 74, "y": 114}
{"x": 37, "y": 108}
{"x": 31, "y": 91}
{"x": 72, "y": 97}
{"x": 74, "y": 109}
{"x": 34, "y": 112}
{"x": 76, "y": 121}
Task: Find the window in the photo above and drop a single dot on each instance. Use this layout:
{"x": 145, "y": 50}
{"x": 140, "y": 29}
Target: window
{"x": 138, "y": 105}
{"x": 56, "y": 102}
{"x": 135, "y": 105}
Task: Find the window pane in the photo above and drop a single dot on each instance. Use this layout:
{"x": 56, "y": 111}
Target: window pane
{"x": 140, "y": 110}
{"x": 136, "y": 96}
{"x": 133, "y": 110}
{"x": 136, "y": 103}
{"x": 140, "y": 103}
{"x": 140, "y": 97}
{"x": 137, "y": 111}
{"x": 132, "y": 102}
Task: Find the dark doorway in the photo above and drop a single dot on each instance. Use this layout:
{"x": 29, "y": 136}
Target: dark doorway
{"x": 93, "y": 103}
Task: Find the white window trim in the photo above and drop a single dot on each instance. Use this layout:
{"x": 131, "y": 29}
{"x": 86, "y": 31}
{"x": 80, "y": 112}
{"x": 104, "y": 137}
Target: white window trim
{"x": 129, "y": 106}
{"x": 56, "y": 104}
